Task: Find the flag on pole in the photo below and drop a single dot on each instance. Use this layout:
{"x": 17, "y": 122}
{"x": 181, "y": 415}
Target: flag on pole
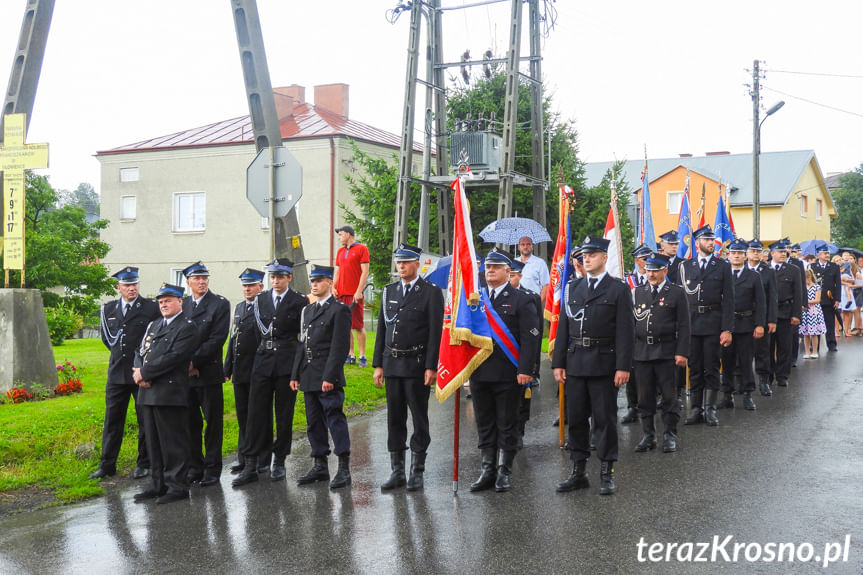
{"x": 646, "y": 233}
{"x": 684, "y": 225}
{"x": 728, "y": 210}
{"x": 721, "y": 227}
{"x": 466, "y": 340}
{"x": 559, "y": 267}
{"x": 614, "y": 266}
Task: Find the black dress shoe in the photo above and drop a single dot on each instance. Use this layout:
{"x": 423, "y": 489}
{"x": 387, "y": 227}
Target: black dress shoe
{"x": 148, "y": 494}
{"x": 648, "y": 442}
{"x": 140, "y": 472}
{"x": 782, "y": 382}
{"x": 172, "y": 496}
{"x": 208, "y": 480}
{"x": 833, "y": 349}
{"x": 697, "y": 416}
{"x": 748, "y": 404}
{"x": 765, "y": 389}
{"x": 102, "y": 472}
{"x": 237, "y": 467}
{"x": 631, "y": 416}
{"x": 669, "y": 442}
{"x": 278, "y": 472}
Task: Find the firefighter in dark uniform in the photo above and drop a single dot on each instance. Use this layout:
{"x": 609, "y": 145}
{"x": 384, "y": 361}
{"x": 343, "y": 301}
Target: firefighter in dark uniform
{"x": 162, "y": 373}
{"x": 709, "y": 288}
{"x": 497, "y": 385}
{"x": 593, "y": 356}
{"x": 123, "y": 322}
{"x": 661, "y": 343}
{"x": 276, "y": 315}
{"x": 829, "y": 276}
{"x": 406, "y": 353}
{"x": 795, "y": 339}
{"x": 788, "y": 312}
{"x": 241, "y": 353}
{"x": 750, "y": 320}
{"x": 325, "y": 333}
{"x": 669, "y": 242}
{"x": 768, "y": 283}
{"x": 211, "y": 314}
{"x": 638, "y": 277}
{"x": 515, "y": 272}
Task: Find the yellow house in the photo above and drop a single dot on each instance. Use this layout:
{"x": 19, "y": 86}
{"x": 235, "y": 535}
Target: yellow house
{"x": 794, "y": 199}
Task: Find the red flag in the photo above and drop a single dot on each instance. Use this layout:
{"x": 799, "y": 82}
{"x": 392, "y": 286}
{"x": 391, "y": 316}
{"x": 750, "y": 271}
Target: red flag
{"x": 466, "y": 338}
{"x": 614, "y": 265}
{"x": 559, "y": 268}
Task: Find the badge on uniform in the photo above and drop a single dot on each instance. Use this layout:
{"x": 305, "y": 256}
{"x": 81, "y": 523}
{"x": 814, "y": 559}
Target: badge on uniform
{"x": 534, "y": 332}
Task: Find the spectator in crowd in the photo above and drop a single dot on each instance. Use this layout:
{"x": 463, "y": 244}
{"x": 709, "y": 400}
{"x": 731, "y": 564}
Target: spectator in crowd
{"x": 812, "y": 325}
{"x": 534, "y": 276}
{"x": 352, "y": 271}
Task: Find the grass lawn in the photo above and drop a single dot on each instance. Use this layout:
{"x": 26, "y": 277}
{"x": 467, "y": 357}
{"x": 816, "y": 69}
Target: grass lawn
{"x": 55, "y": 444}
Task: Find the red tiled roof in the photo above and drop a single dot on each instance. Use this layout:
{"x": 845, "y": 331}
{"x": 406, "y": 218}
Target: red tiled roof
{"x": 307, "y": 121}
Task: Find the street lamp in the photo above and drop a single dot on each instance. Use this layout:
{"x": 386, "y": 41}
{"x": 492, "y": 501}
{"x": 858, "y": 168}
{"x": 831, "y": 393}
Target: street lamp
{"x": 756, "y": 155}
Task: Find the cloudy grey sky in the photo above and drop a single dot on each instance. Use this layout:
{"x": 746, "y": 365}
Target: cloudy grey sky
{"x": 666, "y": 74}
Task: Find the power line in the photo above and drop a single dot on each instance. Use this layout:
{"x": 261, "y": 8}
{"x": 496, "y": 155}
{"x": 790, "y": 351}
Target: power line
{"x": 858, "y": 76}
{"x": 834, "y": 108}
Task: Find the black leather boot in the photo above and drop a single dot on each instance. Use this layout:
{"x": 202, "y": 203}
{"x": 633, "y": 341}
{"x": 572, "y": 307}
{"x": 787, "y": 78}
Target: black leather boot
{"x": 249, "y": 474}
{"x": 239, "y": 465}
{"x": 606, "y": 478}
{"x": 764, "y": 386}
{"x": 488, "y": 474}
{"x": 264, "y": 463}
{"x": 504, "y": 470}
{"x": 748, "y": 404}
{"x": 696, "y": 413}
{"x": 418, "y": 466}
{"x": 397, "y": 477}
{"x": 631, "y": 415}
{"x": 680, "y": 402}
{"x": 278, "y": 472}
{"x": 342, "y": 477}
{"x": 320, "y": 471}
{"x": 727, "y": 401}
{"x": 669, "y": 442}
{"x": 710, "y": 409}
{"x": 648, "y": 440}
{"x": 577, "y": 479}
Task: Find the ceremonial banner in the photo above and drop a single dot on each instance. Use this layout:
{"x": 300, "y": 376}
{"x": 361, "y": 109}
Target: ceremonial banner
{"x": 722, "y": 227}
{"x": 466, "y": 339}
{"x": 559, "y": 267}
{"x": 684, "y": 225}
{"x": 646, "y": 233}
{"x": 614, "y": 266}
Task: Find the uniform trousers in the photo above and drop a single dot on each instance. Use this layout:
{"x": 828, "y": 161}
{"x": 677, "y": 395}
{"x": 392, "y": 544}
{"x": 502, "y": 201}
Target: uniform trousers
{"x": 703, "y": 366}
{"x": 780, "y": 349}
{"x": 116, "y": 406}
{"x": 739, "y": 354}
{"x": 658, "y": 376}
{"x": 166, "y": 428}
{"x": 632, "y": 395}
{"x": 830, "y": 322}
{"x": 324, "y": 413}
{"x": 241, "y": 404}
{"x": 405, "y": 393}
{"x": 206, "y": 403}
{"x": 795, "y": 342}
{"x": 496, "y": 405}
{"x": 264, "y": 391}
{"x": 591, "y": 397}
{"x": 763, "y": 359}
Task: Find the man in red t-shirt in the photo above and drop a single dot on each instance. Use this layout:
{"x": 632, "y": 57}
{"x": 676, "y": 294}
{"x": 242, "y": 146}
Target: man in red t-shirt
{"x": 352, "y": 271}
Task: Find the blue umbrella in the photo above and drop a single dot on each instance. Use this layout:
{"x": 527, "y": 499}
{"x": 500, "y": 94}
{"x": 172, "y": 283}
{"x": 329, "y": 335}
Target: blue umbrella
{"x": 510, "y": 230}
{"x": 809, "y": 247}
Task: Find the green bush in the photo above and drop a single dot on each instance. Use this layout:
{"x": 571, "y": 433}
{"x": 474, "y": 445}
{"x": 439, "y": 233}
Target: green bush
{"x": 62, "y": 322}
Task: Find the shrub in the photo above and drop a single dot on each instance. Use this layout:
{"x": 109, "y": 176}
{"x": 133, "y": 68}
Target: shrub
{"x": 62, "y": 322}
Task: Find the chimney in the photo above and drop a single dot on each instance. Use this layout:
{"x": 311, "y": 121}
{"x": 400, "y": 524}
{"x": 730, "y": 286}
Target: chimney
{"x": 685, "y": 155}
{"x": 288, "y": 97}
{"x": 718, "y": 153}
{"x": 332, "y": 97}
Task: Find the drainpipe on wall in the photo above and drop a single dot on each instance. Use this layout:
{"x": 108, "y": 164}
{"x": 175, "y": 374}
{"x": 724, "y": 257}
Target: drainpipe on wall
{"x": 332, "y": 195}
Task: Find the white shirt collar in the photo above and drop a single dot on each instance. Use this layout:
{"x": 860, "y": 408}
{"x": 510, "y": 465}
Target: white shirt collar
{"x": 198, "y": 300}
{"x": 597, "y": 278}
{"x": 275, "y": 295}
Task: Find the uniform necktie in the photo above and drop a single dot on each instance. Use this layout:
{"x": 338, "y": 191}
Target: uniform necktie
{"x": 405, "y": 289}
{"x": 591, "y": 284}
{"x": 126, "y": 307}
{"x": 278, "y": 300}
{"x": 640, "y": 280}
{"x": 704, "y": 264}
{"x": 164, "y": 323}
{"x": 655, "y": 291}
{"x": 736, "y": 274}
{"x": 493, "y": 292}
{"x": 248, "y": 307}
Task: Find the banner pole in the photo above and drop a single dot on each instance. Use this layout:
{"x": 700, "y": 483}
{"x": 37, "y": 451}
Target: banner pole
{"x": 561, "y": 409}
{"x": 455, "y": 434}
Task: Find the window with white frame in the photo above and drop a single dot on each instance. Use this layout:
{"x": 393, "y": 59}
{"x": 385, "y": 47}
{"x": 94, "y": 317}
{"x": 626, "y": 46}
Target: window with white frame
{"x": 804, "y": 205}
{"x": 178, "y": 279}
{"x": 128, "y": 208}
{"x": 672, "y": 202}
{"x": 190, "y": 211}
{"x": 129, "y": 175}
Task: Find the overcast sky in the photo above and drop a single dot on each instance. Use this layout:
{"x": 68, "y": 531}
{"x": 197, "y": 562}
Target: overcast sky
{"x": 670, "y": 75}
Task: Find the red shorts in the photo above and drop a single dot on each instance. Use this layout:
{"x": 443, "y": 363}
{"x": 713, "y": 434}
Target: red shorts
{"x": 356, "y": 311}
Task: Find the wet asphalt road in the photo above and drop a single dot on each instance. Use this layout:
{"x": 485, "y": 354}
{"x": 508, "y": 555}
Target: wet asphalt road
{"x": 788, "y": 472}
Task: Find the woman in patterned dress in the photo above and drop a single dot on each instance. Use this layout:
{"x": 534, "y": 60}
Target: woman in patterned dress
{"x": 812, "y": 325}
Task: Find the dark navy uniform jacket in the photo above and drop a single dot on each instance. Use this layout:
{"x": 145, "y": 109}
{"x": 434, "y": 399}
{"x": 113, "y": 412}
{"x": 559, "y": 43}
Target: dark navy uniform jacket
{"x": 212, "y": 317}
{"x": 242, "y": 344}
{"x": 768, "y": 282}
{"x": 661, "y": 323}
{"x": 326, "y": 341}
{"x": 710, "y": 295}
{"x": 133, "y": 325}
{"x": 788, "y": 292}
{"x": 517, "y": 311}
{"x": 164, "y": 357}
{"x": 750, "y": 303}
{"x": 276, "y": 350}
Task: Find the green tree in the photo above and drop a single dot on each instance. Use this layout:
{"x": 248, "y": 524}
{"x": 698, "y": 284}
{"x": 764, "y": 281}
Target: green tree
{"x": 847, "y": 228}
{"x": 84, "y": 196}
{"x": 63, "y": 251}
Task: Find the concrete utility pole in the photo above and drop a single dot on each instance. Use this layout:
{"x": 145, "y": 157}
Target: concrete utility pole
{"x": 265, "y": 126}
{"x": 444, "y": 221}
{"x": 510, "y": 119}
{"x": 536, "y": 123}
{"x": 756, "y": 151}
